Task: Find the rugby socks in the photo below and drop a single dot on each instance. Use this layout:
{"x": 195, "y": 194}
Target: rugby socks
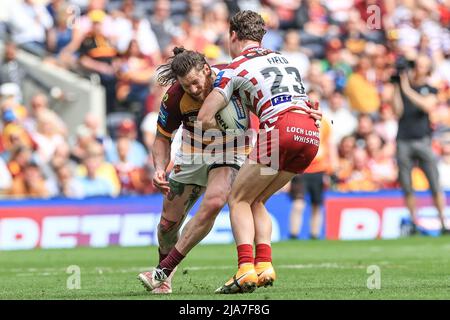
{"x": 245, "y": 254}
{"x": 162, "y": 256}
{"x": 263, "y": 253}
{"x": 171, "y": 261}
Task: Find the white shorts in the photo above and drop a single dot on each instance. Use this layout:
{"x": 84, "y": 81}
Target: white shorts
{"x": 194, "y": 170}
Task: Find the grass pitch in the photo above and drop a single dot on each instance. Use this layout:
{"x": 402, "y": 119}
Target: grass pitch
{"x": 411, "y": 268}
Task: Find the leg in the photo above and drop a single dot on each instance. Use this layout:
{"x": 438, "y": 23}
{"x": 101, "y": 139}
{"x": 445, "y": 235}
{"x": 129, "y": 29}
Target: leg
{"x": 405, "y": 165}
{"x": 175, "y": 208}
{"x": 249, "y": 185}
{"x": 298, "y": 205}
{"x": 219, "y": 186}
{"x": 296, "y": 217}
{"x": 263, "y": 231}
{"x": 316, "y": 221}
{"x": 262, "y": 221}
{"x": 427, "y": 162}
{"x": 315, "y": 187}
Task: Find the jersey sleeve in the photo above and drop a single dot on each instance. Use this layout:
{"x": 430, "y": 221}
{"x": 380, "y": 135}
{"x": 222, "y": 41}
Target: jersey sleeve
{"x": 170, "y": 117}
{"x": 225, "y": 83}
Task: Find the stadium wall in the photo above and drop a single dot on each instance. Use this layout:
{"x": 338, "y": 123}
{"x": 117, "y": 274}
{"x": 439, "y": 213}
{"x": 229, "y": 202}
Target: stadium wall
{"x": 132, "y": 221}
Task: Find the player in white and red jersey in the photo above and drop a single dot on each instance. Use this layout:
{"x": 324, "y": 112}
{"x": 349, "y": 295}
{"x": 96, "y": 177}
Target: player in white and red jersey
{"x": 271, "y": 87}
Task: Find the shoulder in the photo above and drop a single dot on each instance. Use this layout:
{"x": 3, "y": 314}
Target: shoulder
{"x": 173, "y": 95}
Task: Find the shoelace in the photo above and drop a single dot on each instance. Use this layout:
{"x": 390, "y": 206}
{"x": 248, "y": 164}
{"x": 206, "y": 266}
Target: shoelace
{"x": 160, "y": 275}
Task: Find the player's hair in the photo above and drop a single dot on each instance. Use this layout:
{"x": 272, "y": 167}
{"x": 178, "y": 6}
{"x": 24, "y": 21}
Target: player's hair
{"x": 179, "y": 65}
{"x": 248, "y": 25}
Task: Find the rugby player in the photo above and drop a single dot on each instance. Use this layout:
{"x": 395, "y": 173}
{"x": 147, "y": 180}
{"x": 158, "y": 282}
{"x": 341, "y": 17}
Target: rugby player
{"x": 191, "y": 79}
{"x": 271, "y": 87}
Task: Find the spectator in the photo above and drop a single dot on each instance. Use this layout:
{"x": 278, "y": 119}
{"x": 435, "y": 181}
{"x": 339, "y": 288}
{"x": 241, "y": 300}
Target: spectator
{"x": 313, "y": 19}
{"x": 132, "y": 25}
{"x": 94, "y": 180}
{"x": 61, "y": 34}
{"x": 30, "y": 184}
{"x": 20, "y": 157}
{"x": 134, "y": 180}
{"x": 29, "y": 22}
{"x": 46, "y": 136}
{"x": 66, "y": 184}
{"x": 285, "y": 10}
{"x": 364, "y": 128}
{"x": 84, "y": 138}
{"x": 137, "y": 155}
{"x": 312, "y": 182}
{"x": 292, "y": 51}
{"x": 39, "y": 105}
{"x": 10, "y": 69}
{"x": 215, "y": 22}
{"x": 414, "y": 100}
{"x": 335, "y": 65}
{"x": 344, "y": 121}
{"x": 162, "y": 24}
{"x": 380, "y": 163}
{"x": 14, "y": 134}
{"x": 360, "y": 178}
{"x": 272, "y": 39}
{"x": 97, "y": 55}
{"x": 53, "y": 7}
{"x": 387, "y": 125}
{"x": 10, "y": 101}
{"x": 134, "y": 75}
{"x": 5, "y": 177}
{"x": 361, "y": 90}
{"x": 346, "y": 149}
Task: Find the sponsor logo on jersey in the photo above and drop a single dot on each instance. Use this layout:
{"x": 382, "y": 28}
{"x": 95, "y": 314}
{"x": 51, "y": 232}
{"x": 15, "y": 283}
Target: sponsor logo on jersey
{"x": 166, "y": 97}
{"x": 239, "y": 108}
{"x": 282, "y": 98}
{"x": 163, "y": 115}
{"x": 218, "y": 78}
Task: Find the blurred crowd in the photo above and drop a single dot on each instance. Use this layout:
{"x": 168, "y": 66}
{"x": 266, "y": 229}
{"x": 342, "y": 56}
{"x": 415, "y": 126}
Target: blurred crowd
{"x": 346, "y": 51}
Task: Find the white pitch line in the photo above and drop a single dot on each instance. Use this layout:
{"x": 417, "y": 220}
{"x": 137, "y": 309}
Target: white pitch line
{"x": 103, "y": 270}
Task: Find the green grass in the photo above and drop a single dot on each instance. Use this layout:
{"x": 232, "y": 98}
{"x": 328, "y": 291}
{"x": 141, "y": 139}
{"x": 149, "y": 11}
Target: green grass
{"x": 412, "y": 268}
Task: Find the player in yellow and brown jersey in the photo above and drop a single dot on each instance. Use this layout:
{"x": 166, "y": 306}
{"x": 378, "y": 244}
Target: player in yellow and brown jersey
{"x": 191, "y": 80}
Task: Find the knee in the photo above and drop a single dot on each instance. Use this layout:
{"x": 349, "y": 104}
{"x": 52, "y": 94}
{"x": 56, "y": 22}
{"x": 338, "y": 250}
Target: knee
{"x": 257, "y": 204}
{"x": 213, "y": 204}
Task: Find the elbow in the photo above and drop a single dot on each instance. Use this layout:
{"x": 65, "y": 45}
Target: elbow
{"x": 204, "y": 120}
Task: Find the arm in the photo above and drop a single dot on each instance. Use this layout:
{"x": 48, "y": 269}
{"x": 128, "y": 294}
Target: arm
{"x": 96, "y": 66}
{"x": 397, "y": 102}
{"x": 161, "y": 152}
{"x": 161, "y": 159}
{"x": 214, "y": 102}
{"x": 425, "y": 103}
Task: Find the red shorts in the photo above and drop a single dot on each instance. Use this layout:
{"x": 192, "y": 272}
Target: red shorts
{"x": 287, "y": 142}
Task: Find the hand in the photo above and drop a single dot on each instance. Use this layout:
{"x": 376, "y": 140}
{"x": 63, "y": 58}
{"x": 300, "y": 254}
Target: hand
{"x": 160, "y": 182}
{"x": 314, "y": 112}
